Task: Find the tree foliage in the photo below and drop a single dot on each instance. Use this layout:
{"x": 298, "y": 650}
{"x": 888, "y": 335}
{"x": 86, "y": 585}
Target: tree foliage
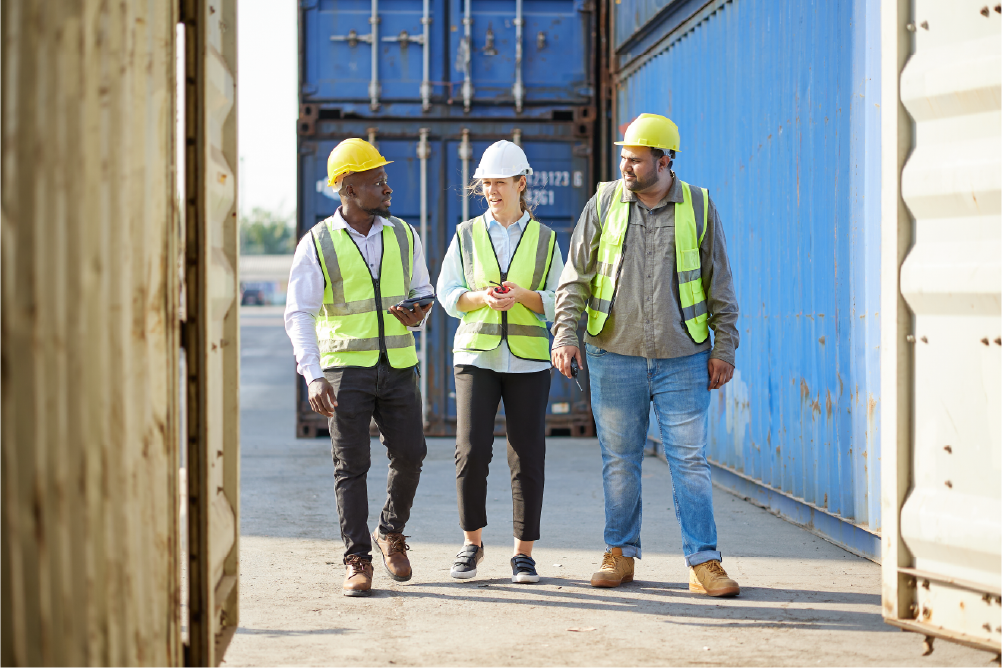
{"x": 264, "y": 232}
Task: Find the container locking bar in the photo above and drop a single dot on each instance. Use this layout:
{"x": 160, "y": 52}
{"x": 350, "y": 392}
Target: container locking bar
{"x": 353, "y": 38}
{"x": 517, "y": 89}
{"x": 465, "y": 153}
{"x": 423, "y": 153}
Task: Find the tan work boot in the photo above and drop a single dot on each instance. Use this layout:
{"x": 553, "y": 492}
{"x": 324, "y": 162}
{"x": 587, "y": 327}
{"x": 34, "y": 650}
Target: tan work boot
{"x": 394, "y": 550}
{"x": 711, "y": 579}
{"x": 615, "y": 570}
{"x": 358, "y": 578}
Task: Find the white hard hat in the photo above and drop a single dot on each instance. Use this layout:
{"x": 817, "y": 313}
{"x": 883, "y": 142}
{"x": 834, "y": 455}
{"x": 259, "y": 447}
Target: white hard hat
{"x": 502, "y": 159}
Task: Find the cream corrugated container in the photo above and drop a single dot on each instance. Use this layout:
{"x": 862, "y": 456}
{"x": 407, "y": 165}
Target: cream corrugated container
{"x": 942, "y": 226}
{"x": 95, "y": 408}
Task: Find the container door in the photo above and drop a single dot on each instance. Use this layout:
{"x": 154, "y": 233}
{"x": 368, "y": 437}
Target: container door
{"x": 211, "y": 332}
{"x": 554, "y": 51}
{"x": 942, "y": 346}
{"x": 338, "y": 55}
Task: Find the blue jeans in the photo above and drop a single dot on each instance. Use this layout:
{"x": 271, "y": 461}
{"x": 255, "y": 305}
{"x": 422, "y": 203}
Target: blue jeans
{"x": 622, "y": 389}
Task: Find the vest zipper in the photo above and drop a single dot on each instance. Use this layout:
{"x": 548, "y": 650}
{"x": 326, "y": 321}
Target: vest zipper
{"x": 379, "y": 312}
{"x": 504, "y": 314}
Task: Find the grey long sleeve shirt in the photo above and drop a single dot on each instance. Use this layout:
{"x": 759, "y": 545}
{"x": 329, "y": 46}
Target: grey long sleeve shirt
{"x": 646, "y": 317}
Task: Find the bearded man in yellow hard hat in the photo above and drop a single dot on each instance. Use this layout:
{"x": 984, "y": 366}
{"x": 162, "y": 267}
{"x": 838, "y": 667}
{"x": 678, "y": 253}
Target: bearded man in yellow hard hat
{"x": 358, "y": 286}
{"x": 648, "y": 263}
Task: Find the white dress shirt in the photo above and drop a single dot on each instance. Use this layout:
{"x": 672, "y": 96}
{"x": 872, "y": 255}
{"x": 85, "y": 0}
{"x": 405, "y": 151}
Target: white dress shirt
{"x": 306, "y": 289}
{"x": 452, "y": 285}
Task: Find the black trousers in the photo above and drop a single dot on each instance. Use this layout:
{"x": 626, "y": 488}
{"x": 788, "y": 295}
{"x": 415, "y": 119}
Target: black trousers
{"x": 525, "y": 395}
{"x": 391, "y": 397}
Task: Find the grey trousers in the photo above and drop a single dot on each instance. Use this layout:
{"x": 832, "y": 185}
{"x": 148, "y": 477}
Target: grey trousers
{"x": 391, "y": 397}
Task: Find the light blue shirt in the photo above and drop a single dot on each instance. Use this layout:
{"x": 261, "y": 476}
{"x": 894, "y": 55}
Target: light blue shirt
{"x": 452, "y": 285}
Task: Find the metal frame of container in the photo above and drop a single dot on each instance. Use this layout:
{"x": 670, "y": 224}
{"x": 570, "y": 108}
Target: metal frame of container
{"x": 778, "y": 108}
{"x": 942, "y": 335}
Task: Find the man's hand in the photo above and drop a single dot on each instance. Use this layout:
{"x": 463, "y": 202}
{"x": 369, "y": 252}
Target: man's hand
{"x": 720, "y": 373}
{"x": 497, "y": 301}
{"x": 561, "y": 358}
{"x": 322, "y": 398}
{"x": 410, "y": 318}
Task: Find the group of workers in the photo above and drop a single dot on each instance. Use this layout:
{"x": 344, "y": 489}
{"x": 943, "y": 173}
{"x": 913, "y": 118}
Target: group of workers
{"x": 647, "y": 262}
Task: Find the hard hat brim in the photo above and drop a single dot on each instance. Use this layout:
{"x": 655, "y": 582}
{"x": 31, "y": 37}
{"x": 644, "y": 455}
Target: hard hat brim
{"x": 480, "y": 175}
{"x": 631, "y": 143}
{"x": 332, "y": 179}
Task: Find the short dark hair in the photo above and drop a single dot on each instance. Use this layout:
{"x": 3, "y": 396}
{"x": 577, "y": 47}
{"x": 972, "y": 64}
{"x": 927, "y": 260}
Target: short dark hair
{"x": 659, "y": 153}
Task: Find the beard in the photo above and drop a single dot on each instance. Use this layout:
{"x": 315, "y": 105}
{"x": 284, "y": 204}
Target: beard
{"x": 383, "y": 212}
{"x": 641, "y": 183}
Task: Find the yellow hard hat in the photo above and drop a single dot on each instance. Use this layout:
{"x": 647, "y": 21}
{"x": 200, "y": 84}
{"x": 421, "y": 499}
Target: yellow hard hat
{"x": 352, "y": 155}
{"x": 651, "y": 130}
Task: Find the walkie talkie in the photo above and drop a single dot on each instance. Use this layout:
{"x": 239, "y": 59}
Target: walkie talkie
{"x": 575, "y": 371}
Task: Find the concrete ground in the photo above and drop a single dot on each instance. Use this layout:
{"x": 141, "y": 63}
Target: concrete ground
{"x": 804, "y": 601}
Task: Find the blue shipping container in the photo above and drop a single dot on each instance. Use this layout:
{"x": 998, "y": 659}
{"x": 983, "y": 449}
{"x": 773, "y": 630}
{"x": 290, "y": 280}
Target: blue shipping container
{"x": 777, "y": 102}
{"x": 559, "y": 188}
{"x": 520, "y": 58}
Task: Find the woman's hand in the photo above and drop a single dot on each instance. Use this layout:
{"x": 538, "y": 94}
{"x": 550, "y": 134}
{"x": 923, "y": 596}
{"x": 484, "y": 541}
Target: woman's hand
{"x": 497, "y": 301}
{"x": 527, "y": 298}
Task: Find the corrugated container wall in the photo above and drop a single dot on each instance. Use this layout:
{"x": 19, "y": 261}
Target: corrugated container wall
{"x": 89, "y": 324}
{"x": 942, "y": 206}
{"x": 432, "y": 84}
{"x": 777, "y": 103}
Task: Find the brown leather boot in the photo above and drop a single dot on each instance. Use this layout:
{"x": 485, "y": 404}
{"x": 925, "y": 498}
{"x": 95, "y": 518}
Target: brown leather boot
{"x": 394, "y": 551}
{"x": 615, "y": 570}
{"x": 358, "y": 578}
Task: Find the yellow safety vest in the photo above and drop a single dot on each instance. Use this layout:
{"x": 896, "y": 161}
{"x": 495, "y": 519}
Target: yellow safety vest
{"x": 690, "y": 228}
{"x": 485, "y": 328}
{"x": 353, "y": 323}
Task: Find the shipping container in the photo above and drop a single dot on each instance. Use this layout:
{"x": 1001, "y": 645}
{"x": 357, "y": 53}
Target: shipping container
{"x": 444, "y": 58}
{"x": 435, "y": 205}
{"x": 778, "y": 106}
{"x": 942, "y": 337}
{"x": 99, "y": 243}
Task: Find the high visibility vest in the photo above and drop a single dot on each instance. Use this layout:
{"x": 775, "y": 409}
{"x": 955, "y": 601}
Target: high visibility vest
{"x": 690, "y": 228}
{"x": 485, "y": 328}
{"x": 353, "y": 323}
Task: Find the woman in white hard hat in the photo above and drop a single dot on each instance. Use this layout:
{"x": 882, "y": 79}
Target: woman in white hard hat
{"x": 499, "y": 277}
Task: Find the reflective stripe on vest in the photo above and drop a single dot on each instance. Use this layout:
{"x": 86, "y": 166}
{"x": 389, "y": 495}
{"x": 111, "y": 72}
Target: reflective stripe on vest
{"x": 484, "y": 328}
{"x": 690, "y": 228}
{"x": 351, "y": 319}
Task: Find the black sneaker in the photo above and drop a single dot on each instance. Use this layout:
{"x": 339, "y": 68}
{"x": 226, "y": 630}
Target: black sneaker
{"x": 523, "y": 569}
{"x": 465, "y": 566}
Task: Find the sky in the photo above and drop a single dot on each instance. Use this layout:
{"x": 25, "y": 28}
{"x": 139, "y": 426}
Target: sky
{"x": 267, "y": 104}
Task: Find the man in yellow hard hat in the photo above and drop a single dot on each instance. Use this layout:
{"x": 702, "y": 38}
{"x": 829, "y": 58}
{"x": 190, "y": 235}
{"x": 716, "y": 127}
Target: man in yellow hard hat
{"x": 354, "y": 347}
{"x": 648, "y": 263}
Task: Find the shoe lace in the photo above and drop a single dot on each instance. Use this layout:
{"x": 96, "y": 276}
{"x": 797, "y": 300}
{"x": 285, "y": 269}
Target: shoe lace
{"x": 715, "y": 568}
{"x": 608, "y": 562}
{"x": 397, "y": 543}
{"x": 356, "y": 563}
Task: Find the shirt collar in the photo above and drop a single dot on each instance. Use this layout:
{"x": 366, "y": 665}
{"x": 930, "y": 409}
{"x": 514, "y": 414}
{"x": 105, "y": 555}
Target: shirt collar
{"x": 339, "y": 223}
{"x": 674, "y": 194}
{"x": 489, "y": 218}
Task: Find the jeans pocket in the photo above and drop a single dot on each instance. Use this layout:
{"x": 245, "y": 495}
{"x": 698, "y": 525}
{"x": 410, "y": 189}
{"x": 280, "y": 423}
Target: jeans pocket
{"x": 594, "y": 351}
